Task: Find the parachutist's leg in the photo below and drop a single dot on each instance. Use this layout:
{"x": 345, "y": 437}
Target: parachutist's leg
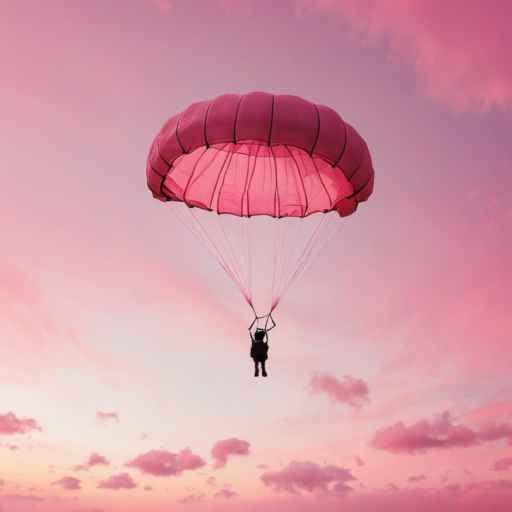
{"x": 263, "y": 371}
{"x": 256, "y": 369}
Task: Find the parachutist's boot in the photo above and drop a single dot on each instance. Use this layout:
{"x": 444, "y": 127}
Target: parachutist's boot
{"x": 263, "y": 371}
{"x": 256, "y": 371}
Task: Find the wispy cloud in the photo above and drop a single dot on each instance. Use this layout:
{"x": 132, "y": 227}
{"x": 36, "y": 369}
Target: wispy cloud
{"x": 461, "y": 52}
{"x": 225, "y": 493}
{"x": 441, "y": 433}
{"x": 104, "y": 417}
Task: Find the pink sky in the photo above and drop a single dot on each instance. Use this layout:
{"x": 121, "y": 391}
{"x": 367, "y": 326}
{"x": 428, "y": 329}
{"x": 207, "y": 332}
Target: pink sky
{"x": 125, "y": 378}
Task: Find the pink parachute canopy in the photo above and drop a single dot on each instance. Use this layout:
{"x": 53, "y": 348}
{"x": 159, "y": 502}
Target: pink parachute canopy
{"x": 260, "y": 154}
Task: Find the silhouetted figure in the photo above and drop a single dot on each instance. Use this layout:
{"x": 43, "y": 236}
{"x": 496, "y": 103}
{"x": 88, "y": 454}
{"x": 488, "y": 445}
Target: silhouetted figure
{"x": 259, "y": 351}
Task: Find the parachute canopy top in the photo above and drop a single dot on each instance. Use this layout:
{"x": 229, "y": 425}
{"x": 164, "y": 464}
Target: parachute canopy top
{"x": 260, "y": 154}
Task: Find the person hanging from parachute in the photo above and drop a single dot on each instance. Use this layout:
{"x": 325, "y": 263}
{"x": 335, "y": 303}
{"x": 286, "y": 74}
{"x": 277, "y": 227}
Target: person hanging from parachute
{"x": 259, "y": 346}
{"x": 259, "y": 351}
{"x": 281, "y": 159}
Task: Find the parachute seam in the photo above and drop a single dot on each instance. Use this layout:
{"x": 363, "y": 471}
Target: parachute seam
{"x": 223, "y": 181}
{"x": 192, "y": 176}
{"x": 366, "y": 183}
{"x": 177, "y": 136}
{"x": 354, "y": 173}
{"x": 249, "y": 180}
{"x": 161, "y": 181}
{"x": 323, "y": 184}
{"x": 236, "y": 118}
{"x": 276, "y": 198}
{"x": 161, "y": 156}
{"x": 230, "y": 157}
{"x": 168, "y": 166}
{"x": 301, "y": 182}
{"x": 271, "y": 121}
{"x": 205, "y": 118}
{"x": 317, "y": 132}
{"x": 344, "y": 145}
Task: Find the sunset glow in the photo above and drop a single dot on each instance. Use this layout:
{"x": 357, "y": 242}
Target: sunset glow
{"x": 125, "y": 378}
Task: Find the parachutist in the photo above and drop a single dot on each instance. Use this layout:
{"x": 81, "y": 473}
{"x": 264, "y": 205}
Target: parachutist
{"x": 259, "y": 351}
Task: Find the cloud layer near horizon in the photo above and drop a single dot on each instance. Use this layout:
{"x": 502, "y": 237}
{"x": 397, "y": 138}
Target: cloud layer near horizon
{"x": 441, "y": 433}
{"x": 309, "y": 476}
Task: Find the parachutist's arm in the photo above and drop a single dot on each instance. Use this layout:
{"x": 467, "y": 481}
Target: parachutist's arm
{"x": 266, "y": 323}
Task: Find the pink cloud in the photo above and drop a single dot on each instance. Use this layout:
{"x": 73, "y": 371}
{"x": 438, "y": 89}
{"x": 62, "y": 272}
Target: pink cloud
{"x": 96, "y": 458}
{"x": 225, "y": 493}
{"x": 210, "y": 480}
{"x": 359, "y": 461}
{"x": 148, "y": 488}
{"x": 116, "y": 482}
{"x": 461, "y": 52}
{"x": 104, "y": 417}
{"x": 2, "y": 482}
{"x": 309, "y": 476}
{"x": 70, "y": 483}
{"x": 93, "y": 460}
{"x": 416, "y": 478}
{"x": 225, "y": 448}
{"x": 10, "y": 424}
{"x": 348, "y": 389}
{"x": 79, "y": 467}
{"x": 164, "y": 463}
{"x": 502, "y": 464}
{"x": 11, "y": 447}
{"x": 191, "y": 498}
{"x": 441, "y": 433}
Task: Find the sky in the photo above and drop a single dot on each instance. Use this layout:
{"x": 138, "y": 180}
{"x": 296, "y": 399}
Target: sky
{"x": 125, "y": 378}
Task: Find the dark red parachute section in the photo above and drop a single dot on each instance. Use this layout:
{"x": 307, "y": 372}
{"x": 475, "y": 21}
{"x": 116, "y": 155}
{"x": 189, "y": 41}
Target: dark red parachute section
{"x": 260, "y": 154}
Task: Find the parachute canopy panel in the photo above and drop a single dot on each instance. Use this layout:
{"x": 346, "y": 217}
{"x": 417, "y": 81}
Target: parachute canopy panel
{"x": 260, "y": 154}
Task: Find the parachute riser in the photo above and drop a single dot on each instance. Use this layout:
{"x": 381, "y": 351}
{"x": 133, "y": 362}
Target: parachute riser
{"x": 262, "y": 320}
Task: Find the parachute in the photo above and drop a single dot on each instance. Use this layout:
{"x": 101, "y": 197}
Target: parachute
{"x": 261, "y": 176}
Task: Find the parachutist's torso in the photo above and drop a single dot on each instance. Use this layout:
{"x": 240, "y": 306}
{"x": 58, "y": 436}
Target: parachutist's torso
{"x": 259, "y": 351}
{"x": 259, "y": 354}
